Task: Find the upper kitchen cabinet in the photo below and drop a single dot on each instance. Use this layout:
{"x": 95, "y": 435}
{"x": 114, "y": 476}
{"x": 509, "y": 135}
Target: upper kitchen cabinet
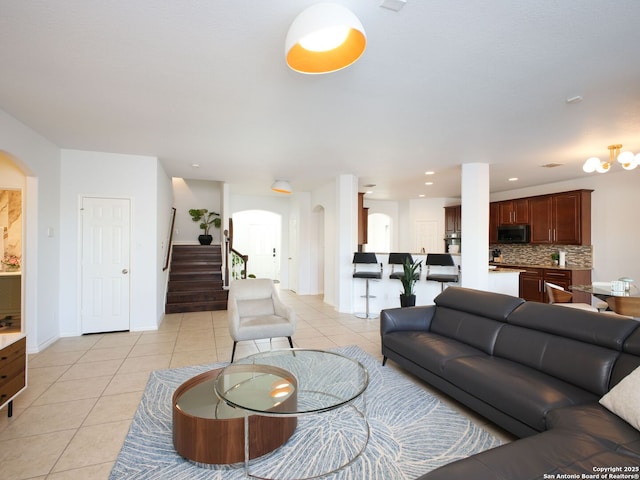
{"x": 452, "y": 219}
{"x": 561, "y": 218}
{"x": 363, "y": 222}
{"x": 494, "y": 221}
{"x": 514, "y": 212}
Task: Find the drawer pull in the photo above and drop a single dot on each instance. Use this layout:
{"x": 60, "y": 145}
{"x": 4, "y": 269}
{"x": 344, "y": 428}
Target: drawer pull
{"x": 3, "y": 358}
{"x": 3, "y": 377}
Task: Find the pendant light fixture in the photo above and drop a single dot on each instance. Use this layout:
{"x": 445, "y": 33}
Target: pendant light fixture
{"x": 626, "y": 159}
{"x": 324, "y": 38}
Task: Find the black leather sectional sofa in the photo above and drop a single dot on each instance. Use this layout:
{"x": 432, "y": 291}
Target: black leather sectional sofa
{"x": 536, "y": 370}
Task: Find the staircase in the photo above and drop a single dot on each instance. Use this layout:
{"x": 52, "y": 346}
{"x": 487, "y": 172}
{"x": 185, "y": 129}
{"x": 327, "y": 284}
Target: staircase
{"x": 195, "y": 279}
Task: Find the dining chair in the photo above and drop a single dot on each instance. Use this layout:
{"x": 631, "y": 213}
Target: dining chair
{"x": 559, "y": 296}
{"x": 629, "y": 306}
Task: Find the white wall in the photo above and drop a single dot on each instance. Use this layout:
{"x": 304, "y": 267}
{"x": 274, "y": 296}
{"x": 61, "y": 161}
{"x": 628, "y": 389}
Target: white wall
{"x": 615, "y": 228}
{"x": 39, "y": 159}
{"x": 190, "y": 194}
{"x": 163, "y": 221}
{"x": 122, "y": 176}
{"x": 324, "y": 202}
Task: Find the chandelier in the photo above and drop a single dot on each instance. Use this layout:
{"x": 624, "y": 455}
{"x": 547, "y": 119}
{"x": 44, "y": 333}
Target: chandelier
{"x": 626, "y": 159}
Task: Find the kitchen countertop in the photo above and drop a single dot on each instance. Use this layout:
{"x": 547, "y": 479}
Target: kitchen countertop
{"x": 505, "y": 270}
{"x": 547, "y": 266}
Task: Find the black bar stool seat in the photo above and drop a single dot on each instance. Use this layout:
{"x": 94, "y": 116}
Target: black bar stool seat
{"x": 366, "y": 258}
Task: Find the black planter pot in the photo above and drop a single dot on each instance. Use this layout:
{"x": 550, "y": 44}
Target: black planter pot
{"x": 205, "y": 239}
{"x": 407, "y": 300}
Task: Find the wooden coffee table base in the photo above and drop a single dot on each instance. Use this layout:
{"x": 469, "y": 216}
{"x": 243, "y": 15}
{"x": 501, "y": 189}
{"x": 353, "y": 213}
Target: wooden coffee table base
{"x": 221, "y": 441}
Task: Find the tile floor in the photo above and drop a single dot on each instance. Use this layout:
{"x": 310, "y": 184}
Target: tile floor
{"x": 71, "y": 421}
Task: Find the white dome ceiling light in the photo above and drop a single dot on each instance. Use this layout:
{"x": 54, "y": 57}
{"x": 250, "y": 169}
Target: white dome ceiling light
{"x": 281, "y": 186}
{"x": 324, "y": 38}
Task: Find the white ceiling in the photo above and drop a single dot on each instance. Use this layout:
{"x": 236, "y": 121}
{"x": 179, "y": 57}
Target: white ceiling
{"x": 442, "y": 82}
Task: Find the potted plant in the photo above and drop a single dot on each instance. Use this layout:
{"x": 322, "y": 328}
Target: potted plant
{"x": 409, "y": 279}
{"x": 206, "y": 219}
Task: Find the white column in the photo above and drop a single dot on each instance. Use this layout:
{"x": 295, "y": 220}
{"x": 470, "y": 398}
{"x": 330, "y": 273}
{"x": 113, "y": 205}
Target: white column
{"x": 346, "y": 239}
{"x": 475, "y": 225}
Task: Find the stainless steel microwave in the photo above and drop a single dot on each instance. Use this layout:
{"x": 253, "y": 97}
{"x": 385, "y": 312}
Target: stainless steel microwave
{"x": 514, "y": 234}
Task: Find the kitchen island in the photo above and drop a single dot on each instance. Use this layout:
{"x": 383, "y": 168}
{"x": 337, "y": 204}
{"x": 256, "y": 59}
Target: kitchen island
{"x": 386, "y": 292}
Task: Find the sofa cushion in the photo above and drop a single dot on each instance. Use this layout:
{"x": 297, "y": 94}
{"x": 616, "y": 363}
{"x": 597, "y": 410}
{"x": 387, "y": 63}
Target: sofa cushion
{"x": 594, "y": 419}
{"x": 608, "y": 331}
{"x": 477, "y": 331}
{"x": 624, "y": 399}
{"x": 585, "y": 365}
{"x": 519, "y": 391}
{"x": 429, "y": 350}
{"x": 552, "y": 453}
{"x": 477, "y": 302}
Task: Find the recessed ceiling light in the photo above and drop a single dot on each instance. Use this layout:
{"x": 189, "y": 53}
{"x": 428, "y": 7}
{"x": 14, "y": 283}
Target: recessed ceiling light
{"x": 430, "y": 172}
{"x": 513, "y": 179}
{"x": 195, "y": 165}
{"x": 421, "y": 195}
{"x": 369, "y": 191}
{"x": 428, "y": 183}
{"x": 576, "y": 99}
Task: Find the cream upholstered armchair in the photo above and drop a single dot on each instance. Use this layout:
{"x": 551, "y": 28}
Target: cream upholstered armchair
{"x": 254, "y": 310}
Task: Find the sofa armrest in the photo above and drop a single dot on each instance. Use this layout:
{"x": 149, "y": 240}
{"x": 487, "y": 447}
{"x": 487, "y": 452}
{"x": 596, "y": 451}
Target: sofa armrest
{"x": 403, "y": 319}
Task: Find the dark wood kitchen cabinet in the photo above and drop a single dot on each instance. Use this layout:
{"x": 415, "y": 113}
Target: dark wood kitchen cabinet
{"x": 452, "y": 219}
{"x": 561, "y": 218}
{"x": 363, "y": 222}
{"x": 514, "y": 212}
{"x": 533, "y": 279}
{"x": 531, "y": 284}
{"x": 494, "y": 221}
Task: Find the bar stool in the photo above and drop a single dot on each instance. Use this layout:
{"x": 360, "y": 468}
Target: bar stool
{"x": 366, "y": 258}
{"x": 398, "y": 259}
{"x": 452, "y": 274}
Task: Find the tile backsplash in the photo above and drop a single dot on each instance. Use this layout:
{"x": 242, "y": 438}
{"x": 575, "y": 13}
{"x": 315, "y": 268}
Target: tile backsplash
{"x": 576, "y": 255}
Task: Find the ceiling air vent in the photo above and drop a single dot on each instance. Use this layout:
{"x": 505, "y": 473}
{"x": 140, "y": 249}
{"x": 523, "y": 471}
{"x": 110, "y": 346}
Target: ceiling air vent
{"x": 552, "y": 165}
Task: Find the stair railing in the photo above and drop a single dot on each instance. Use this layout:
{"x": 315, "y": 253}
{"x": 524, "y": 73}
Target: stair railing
{"x": 232, "y": 257}
{"x": 170, "y": 239}
{"x": 239, "y": 264}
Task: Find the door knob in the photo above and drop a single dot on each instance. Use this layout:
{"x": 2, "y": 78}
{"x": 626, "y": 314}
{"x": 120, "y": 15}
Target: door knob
{"x": 125, "y": 271}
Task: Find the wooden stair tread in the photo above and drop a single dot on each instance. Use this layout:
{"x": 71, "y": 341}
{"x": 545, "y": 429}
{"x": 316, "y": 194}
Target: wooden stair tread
{"x": 195, "y": 279}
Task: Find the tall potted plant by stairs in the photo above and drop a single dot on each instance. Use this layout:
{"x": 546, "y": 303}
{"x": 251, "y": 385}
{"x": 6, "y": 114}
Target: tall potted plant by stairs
{"x": 206, "y": 219}
{"x": 409, "y": 279}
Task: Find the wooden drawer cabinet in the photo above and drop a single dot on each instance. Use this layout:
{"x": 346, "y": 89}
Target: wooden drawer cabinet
{"x": 13, "y": 364}
{"x": 532, "y": 283}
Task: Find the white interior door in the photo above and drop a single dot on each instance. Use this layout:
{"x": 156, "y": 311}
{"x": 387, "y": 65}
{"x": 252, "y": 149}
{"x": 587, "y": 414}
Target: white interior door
{"x": 105, "y": 264}
{"x": 427, "y": 237}
{"x": 264, "y": 257}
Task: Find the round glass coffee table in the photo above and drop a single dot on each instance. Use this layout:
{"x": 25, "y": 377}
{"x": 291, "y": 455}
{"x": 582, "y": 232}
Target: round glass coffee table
{"x": 330, "y": 406}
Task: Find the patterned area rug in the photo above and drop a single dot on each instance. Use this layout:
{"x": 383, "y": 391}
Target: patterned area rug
{"x": 411, "y": 433}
